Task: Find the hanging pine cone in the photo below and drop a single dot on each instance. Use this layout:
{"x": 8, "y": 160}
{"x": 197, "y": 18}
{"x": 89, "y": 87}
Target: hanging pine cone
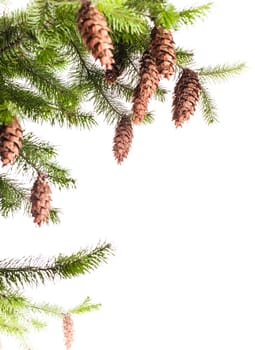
{"x": 148, "y": 83}
{"x": 68, "y": 330}
{"x": 122, "y": 139}
{"x": 164, "y": 51}
{"x": 40, "y": 199}
{"x": 10, "y": 141}
{"x": 186, "y": 95}
{"x": 111, "y": 75}
{"x": 93, "y": 28}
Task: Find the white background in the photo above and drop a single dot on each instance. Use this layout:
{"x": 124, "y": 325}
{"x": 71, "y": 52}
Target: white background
{"x": 179, "y": 211}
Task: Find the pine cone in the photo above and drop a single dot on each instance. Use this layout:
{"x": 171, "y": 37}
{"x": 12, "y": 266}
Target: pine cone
{"x": 10, "y": 142}
{"x": 93, "y": 28}
{"x": 40, "y": 199}
{"x": 111, "y": 75}
{"x": 164, "y": 51}
{"x": 68, "y": 331}
{"x": 122, "y": 139}
{"x": 186, "y": 95}
{"x": 148, "y": 83}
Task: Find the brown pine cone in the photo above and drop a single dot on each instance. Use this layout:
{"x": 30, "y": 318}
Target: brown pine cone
{"x": 163, "y": 49}
{"x": 186, "y": 95}
{"x": 111, "y": 75}
{"x": 10, "y": 142}
{"x": 148, "y": 83}
{"x": 122, "y": 139}
{"x": 93, "y": 28}
{"x": 40, "y": 199}
{"x": 68, "y": 331}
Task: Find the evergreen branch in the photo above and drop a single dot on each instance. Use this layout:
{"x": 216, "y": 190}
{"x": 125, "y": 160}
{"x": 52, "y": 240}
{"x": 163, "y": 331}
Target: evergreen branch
{"x": 207, "y": 106}
{"x": 122, "y": 19}
{"x": 149, "y": 8}
{"x": 168, "y": 17}
{"x": 184, "y": 57}
{"x": 35, "y": 270}
{"x": 12, "y": 195}
{"x": 39, "y": 108}
{"x": 190, "y": 15}
{"x": 220, "y": 72}
{"x": 11, "y": 302}
{"x": 12, "y": 327}
{"x": 54, "y": 216}
{"x": 85, "y": 306}
{"x": 45, "y": 309}
{"x": 97, "y": 91}
{"x": 39, "y": 156}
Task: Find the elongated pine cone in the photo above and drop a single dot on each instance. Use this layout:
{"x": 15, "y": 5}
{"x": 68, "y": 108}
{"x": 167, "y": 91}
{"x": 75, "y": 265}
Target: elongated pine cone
{"x": 111, "y": 75}
{"x": 123, "y": 139}
{"x": 147, "y": 85}
{"x": 10, "y": 142}
{"x": 93, "y": 28}
{"x": 163, "y": 49}
{"x": 40, "y": 199}
{"x": 68, "y": 331}
{"x": 186, "y": 95}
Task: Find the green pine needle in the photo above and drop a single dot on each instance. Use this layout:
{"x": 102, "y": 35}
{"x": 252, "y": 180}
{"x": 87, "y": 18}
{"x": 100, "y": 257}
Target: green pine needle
{"x": 85, "y": 306}
{"x": 35, "y": 270}
{"x": 192, "y": 14}
{"x": 184, "y": 57}
{"x": 208, "y": 106}
{"x": 220, "y": 71}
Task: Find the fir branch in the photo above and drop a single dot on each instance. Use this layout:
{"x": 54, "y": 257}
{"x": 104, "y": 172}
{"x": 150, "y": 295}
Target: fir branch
{"x": 35, "y": 270}
{"x": 184, "y": 57}
{"x": 12, "y": 195}
{"x": 39, "y": 156}
{"x": 190, "y": 15}
{"x": 168, "y": 17}
{"x": 12, "y": 327}
{"x": 54, "y": 216}
{"x": 207, "y": 106}
{"x": 220, "y": 72}
{"x": 11, "y": 302}
{"x": 122, "y": 19}
{"x": 96, "y": 90}
{"x": 85, "y": 306}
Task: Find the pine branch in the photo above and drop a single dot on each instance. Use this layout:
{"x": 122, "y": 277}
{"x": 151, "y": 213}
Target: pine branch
{"x": 39, "y": 156}
{"x": 85, "y": 306}
{"x": 38, "y": 108}
{"x": 96, "y": 90}
{"x": 208, "y": 106}
{"x": 168, "y": 17}
{"x": 184, "y": 57}
{"x": 190, "y": 15}
{"x": 220, "y": 72}
{"x": 35, "y": 270}
{"x": 12, "y": 195}
{"x": 122, "y": 19}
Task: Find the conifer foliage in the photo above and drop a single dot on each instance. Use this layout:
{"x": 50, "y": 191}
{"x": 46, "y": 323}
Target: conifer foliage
{"x": 70, "y": 63}
{"x": 19, "y": 314}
